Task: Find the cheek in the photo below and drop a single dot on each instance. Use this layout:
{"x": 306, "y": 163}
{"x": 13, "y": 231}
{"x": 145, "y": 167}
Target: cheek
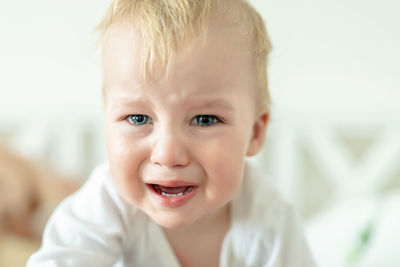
{"x": 118, "y": 154}
{"x": 224, "y": 164}
{"x": 124, "y": 151}
{"x": 125, "y": 157}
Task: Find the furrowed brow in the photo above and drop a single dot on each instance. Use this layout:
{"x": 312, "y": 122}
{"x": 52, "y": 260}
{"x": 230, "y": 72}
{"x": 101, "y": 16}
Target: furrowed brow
{"x": 215, "y": 103}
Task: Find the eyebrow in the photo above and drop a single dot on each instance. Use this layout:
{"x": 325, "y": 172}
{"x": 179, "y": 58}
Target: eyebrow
{"x": 220, "y": 103}
{"x": 122, "y": 100}
{"x": 197, "y": 104}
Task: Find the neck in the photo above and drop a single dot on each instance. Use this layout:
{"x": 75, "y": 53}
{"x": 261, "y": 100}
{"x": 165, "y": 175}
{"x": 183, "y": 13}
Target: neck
{"x": 188, "y": 241}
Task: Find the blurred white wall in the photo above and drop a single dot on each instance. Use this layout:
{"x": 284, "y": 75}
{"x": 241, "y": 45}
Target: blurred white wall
{"x": 48, "y": 58}
{"x": 333, "y": 56}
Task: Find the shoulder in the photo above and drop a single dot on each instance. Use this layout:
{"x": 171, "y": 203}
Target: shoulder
{"x": 259, "y": 200}
{"x": 259, "y": 212}
{"x": 97, "y": 190}
{"x": 265, "y": 229}
{"x": 98, "y": 178}
{"x": 97, "y": 207}
{"x": 94, "y": 225}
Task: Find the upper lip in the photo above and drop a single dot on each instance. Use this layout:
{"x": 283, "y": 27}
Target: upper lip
{"x": 171, "y": 183}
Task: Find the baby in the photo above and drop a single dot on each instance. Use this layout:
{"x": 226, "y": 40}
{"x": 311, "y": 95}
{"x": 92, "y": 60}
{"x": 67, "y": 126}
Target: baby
{"x": 186, "y": 101}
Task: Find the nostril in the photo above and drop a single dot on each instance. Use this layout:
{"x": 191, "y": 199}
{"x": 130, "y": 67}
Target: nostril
{"x": 169, "y": 152}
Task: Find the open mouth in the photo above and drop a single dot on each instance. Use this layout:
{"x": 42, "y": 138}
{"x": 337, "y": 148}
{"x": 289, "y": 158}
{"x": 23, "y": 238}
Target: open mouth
{"x": 172, "y": 196}
{"x": 172, "y": 191}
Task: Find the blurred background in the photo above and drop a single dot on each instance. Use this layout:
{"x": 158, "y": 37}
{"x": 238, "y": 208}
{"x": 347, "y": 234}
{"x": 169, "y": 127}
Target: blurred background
{"x": 333, "y": 143}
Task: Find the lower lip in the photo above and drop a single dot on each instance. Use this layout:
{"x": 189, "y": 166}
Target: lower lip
{"x": 172, "y": 202}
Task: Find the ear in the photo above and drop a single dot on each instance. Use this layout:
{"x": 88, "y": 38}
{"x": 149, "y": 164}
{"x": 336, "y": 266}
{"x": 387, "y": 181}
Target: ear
{"x": 258, "y": 133}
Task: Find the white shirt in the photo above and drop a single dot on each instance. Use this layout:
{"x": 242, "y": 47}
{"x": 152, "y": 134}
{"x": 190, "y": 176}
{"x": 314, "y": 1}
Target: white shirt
{"x": 96, "y": 227}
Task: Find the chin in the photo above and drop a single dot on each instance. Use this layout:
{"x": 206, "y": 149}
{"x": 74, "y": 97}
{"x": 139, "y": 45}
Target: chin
{"x": 173, "y": 221}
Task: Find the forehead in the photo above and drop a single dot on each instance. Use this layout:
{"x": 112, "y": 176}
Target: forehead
{"x": 222, "y": 59}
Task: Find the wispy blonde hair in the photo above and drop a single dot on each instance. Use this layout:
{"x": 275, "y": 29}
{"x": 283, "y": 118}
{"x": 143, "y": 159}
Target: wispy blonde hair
{"x": 165, "y": 25}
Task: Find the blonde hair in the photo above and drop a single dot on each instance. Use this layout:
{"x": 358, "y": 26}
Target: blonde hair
{"x": 165, "y": 25}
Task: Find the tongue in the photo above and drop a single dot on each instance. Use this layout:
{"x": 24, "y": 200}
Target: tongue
{"x": 172, "y": 190}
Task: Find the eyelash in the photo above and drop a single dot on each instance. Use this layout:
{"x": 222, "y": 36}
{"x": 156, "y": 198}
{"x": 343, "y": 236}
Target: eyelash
{"x": 207, "y": 119}
{"x": 138, "y": 117}
{"x": 214, "y": 120}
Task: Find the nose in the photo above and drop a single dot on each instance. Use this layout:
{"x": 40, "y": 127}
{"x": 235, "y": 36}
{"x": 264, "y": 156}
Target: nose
{"x": 169, "y": 150}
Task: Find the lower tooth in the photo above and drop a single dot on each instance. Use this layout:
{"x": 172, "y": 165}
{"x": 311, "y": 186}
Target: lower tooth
{"x": 179, "y": 194}
{"x": 188, "y": 190}
{"x": 172, "y": 195}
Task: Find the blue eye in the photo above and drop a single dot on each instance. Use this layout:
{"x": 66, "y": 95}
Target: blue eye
{"x": 138, "y": 119}
{"x": 205, "y": 120}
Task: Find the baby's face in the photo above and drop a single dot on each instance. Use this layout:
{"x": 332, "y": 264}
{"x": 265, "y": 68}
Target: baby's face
{"x": 177, "y": 146}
